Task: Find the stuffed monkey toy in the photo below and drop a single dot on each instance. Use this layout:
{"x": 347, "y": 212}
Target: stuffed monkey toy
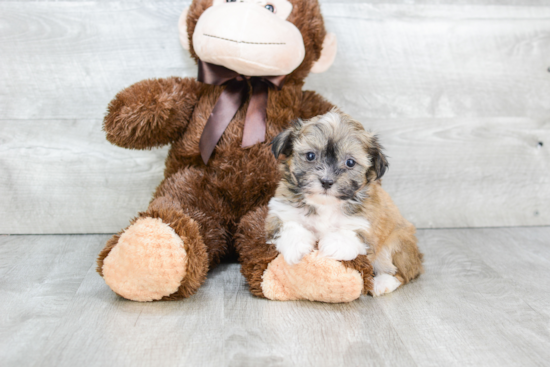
{"x": 253, "y": 57}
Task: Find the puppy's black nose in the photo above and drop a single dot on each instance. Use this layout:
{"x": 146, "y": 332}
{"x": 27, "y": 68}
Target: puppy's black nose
{"x": 326, "y": 183}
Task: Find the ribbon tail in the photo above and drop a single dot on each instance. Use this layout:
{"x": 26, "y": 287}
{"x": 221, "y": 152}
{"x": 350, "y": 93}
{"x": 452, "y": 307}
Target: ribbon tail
{"x": 225, "y": 109}
{"x": 255, "y": 124}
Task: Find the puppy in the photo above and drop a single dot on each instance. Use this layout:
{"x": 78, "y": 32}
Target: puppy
{"x": 330, "y": 198}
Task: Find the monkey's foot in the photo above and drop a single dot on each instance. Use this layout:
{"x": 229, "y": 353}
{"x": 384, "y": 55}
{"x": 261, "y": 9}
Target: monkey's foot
{"x": 152, "y": 260}
{"x": 316, "y": 278}
{"x": 148, "y": 263}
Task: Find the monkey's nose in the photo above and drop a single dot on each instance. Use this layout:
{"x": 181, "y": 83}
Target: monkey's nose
{"x": 326, "y": 183}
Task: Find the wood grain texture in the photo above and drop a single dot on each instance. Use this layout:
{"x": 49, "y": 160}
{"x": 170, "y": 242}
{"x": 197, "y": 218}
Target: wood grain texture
{"x": 463, "y": 309}
{"x": 67, "y": 60}
{"x": 110, "y": 331}
{"x": 468, "y": 172}
{"x": 39, "y": 276}
{"x": 482, "y": 301}
{"x": 523, "y": 268}
{"x": 457, "y": 93}
{"x": 408, "y": 61}
{"x": 262, "y": 332}
{"x": 443, "y": 173}
{"x": 69, "y": 179}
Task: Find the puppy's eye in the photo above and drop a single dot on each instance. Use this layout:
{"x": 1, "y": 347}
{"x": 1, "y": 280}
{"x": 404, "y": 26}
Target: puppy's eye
{"x": 270, "y": 7}
{"x": 350, "y": 163}
{"x": 310, "y": 156}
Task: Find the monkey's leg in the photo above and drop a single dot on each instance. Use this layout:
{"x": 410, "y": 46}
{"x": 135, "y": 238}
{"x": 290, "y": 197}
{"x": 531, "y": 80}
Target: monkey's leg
{"x": 315, "y": 278}
{"x": 165, "y": 253}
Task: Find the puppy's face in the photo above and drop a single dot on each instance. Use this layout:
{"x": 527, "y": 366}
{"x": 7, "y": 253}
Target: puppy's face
{"x": 329, "y": 155}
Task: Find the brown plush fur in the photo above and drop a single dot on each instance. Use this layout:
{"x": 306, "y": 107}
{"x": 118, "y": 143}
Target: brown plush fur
{"x": 362, "y": 264}
{"x": 219, "y": 207}
{"x": 254, "y": 253}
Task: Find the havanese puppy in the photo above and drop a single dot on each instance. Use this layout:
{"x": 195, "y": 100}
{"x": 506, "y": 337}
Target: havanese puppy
{"x": 330, "y": 199}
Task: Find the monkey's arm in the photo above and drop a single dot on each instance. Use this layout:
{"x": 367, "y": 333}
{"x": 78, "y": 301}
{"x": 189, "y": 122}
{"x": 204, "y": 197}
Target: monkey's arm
{"x": 152, "y": 112}
{"x": 313, "y": 105}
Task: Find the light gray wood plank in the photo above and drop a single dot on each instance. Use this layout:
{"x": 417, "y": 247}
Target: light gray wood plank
{"x": 67, "y": 60}
{"x": 410, "y": 61}
{"x": 102, "y": 329}
{"x": 64, "y": 177}
{"x": 468, "y": 172}
{"x": 457, "y": 94}
{"x": 443, "y": 173}
{"x": 39, "y": 275}
{"x": 462, "y": 311}
{"x": 465, "y": 310}
{"x": 262, "y": 332}
{"x": 521, "y": 257}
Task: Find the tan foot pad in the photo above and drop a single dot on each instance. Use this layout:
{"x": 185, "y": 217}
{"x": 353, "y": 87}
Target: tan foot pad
{"x": 315, "y": 278}
{"x": 148, "y": 262}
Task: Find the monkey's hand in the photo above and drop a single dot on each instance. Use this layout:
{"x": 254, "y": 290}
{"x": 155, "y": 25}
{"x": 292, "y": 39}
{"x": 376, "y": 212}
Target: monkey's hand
{"x": 152, "y": 112}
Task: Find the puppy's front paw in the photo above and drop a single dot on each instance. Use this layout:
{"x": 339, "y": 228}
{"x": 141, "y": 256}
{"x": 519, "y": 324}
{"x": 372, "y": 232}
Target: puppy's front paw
{"x": 384, "y": 283}
{"x": 295, "y": 242}
{"x": 342, "y": 245}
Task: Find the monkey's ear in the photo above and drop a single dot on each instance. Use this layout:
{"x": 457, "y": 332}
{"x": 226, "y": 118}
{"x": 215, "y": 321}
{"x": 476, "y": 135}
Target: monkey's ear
{"x": 328, "y": 54}
{"x": 379, "y": 161}
{"x": 182, "y": 28}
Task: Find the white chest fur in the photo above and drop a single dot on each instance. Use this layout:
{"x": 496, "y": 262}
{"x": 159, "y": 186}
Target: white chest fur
{"x": 329, "y": 216}
{"x": 333, "y": 231}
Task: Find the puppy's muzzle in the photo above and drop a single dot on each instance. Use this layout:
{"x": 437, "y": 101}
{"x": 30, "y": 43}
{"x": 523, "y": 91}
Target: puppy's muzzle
{"x": 327, "y": 184}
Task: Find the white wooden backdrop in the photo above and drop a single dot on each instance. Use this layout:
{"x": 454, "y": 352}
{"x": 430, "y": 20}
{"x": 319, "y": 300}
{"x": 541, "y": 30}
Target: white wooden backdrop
{"x": 458, "y": 92}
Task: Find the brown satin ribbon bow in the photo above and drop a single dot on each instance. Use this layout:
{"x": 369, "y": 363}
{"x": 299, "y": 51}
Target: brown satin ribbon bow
{"x": 235, "y": 92}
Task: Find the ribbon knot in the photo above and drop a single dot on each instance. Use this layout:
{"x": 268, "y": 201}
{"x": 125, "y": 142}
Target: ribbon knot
{"x": 235, "y": 92}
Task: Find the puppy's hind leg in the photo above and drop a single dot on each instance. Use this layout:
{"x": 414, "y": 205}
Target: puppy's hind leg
{"x": 384, "y": 270}
{"x": 407, "y": 258}
{"x": 398, "y": 263}
{"x": 384, "y": 283}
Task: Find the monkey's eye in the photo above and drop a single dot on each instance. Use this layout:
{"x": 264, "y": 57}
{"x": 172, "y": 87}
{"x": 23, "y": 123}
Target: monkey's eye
{"x": 310, "y": 156}
{"x": 350, "y": 163}
{"x": 270, "y": 7}
{"x": 230, "y": 1}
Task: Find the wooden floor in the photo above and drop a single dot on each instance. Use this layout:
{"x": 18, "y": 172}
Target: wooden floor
{"x": 484, "y": 301}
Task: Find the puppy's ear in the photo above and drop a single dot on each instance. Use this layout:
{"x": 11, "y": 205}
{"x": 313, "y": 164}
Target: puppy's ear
{"x": 282, "y": 143}
{"x": 379, "y": 161}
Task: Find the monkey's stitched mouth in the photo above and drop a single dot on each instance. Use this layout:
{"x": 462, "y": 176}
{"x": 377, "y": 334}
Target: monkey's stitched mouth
{"x": 249, "y": 43}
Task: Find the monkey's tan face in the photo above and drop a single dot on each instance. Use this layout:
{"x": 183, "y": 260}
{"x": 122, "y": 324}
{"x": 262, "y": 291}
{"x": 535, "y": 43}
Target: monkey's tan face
{"x": 251, "y": 37}
{"x": 329, "y": 155}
